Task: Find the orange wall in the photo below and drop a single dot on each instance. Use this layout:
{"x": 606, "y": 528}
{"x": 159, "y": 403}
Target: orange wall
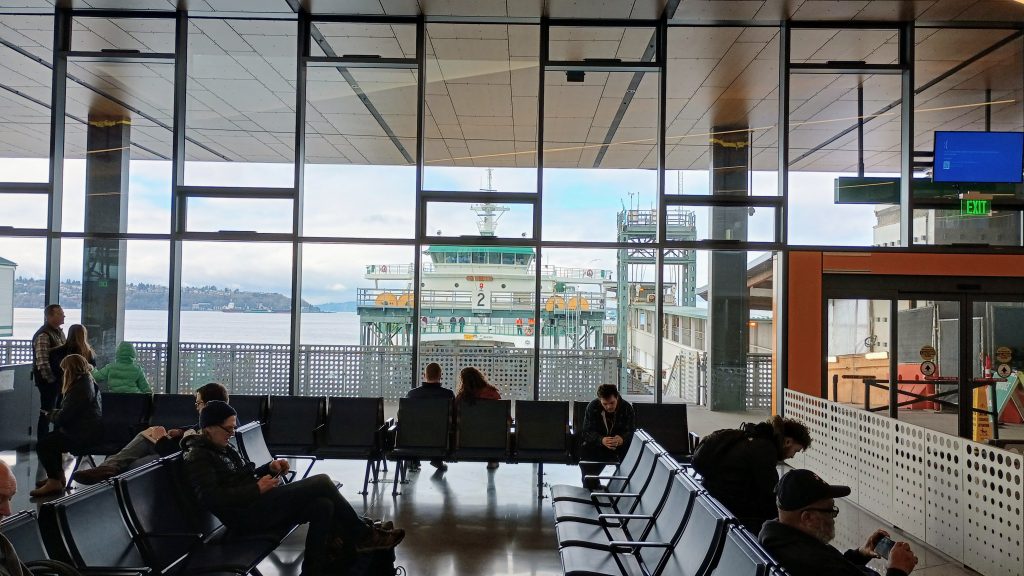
{"x": 803, "y": 347}
{"x": 804, "y": 320}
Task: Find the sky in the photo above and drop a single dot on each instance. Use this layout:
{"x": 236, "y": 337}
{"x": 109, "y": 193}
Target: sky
{"x": 379, "y": 201}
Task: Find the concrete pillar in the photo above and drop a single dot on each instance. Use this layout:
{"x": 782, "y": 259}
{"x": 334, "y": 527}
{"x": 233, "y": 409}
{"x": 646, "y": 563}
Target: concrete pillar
{"x": 106, "y": 211}
{"x": 729, "y": 301}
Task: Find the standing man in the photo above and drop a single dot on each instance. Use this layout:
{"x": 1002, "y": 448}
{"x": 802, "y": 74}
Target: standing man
{"x": 451, "y": 324}
{"x": 462, "y": 323}
{"x": 519, "y": 326}
{"x": 800, "y": 538}
{"x": 430, "y": 388}
{"x": 49, "y": 336}
{"x": 607, "y": 431}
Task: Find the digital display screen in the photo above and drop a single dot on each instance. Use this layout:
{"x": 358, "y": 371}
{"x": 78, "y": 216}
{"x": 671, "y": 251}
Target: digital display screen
{"x": 978, "y": 156}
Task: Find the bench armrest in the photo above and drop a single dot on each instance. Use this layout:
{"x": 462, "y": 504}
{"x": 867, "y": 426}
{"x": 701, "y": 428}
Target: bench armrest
{"x": 630, "y": 544}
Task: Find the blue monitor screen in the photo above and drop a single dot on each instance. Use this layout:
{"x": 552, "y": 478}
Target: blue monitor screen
{"x": 978, "y": 156}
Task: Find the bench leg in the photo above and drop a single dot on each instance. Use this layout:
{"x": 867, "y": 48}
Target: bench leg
{"x": 399, "y": 473}
{"x": 540, "y": 481}
{"x": 366, "y": 477}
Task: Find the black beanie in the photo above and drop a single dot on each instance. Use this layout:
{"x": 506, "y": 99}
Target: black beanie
{"x": 215, "y": 412}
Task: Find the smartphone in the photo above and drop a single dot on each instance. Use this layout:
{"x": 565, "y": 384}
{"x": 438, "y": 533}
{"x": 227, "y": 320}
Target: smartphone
{"x": 884, "y": 546}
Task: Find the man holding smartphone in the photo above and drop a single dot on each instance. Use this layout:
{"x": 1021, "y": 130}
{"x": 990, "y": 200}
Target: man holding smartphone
{"x": 800, "y": 538}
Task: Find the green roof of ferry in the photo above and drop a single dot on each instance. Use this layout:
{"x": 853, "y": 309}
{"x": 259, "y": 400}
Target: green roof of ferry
{"x": 501, "y": 249}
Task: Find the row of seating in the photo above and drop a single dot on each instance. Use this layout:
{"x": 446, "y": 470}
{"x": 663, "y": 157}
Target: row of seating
{"x": 144, "y": 521}
{"x": 354, "y": 428}
{"x": 654, "y": 518}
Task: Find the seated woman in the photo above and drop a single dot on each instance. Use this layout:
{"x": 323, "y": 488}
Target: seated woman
{"x": 252, "y": 501}
{"x": 78, "y": 423}
{"x": 152, "y": 442}
{"x": 77, "y": 343}
{"x": 473, "y": 386}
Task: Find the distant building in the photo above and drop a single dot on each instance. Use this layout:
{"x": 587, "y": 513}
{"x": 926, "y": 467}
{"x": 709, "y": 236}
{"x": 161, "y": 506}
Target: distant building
{"x": 7, "y": 297}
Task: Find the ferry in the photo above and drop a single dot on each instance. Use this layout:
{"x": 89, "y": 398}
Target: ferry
{"x": 484, "y": 296}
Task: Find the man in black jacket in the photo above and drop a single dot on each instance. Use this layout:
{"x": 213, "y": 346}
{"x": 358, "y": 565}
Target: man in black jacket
{"x": 608, "y": 428}
{"x": 739, "y": 466}
{"x": 430, "y": 388}
{"x": 799, "y": 539}
{"x": 48, "y": 337}
{"x": 251, "y": 501}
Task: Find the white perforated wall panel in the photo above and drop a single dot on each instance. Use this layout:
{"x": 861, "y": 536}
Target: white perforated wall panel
{"x": 874, "y": 464}
{"x": 908, "y": 478}
{"x": 992, "y": 534}
{"x": 845, "y": 442}
{"x": 813, "y": 412}
{"x": 944, "y": 497}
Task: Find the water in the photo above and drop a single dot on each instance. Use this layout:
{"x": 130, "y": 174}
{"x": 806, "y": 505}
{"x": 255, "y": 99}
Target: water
{"x": 216, "y": 326}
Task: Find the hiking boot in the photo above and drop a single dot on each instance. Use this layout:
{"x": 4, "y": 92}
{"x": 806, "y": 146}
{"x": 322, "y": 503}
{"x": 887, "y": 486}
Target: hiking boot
{"x": 386, "y": 526}
{"x": 379, "y": 539}
{"x": 95, "y": 475}
{"x": 440, "y": 465}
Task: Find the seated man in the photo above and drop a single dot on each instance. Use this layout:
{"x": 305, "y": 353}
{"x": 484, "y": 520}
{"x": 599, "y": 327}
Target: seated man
{"x": 807, "y": 523}
{"x": 607, "y": 431}
{"x": 252, "y": 501}
{"x": 150, "y": 443}
{"x": 430, "y": 388}
{"x": 10, "y": 564}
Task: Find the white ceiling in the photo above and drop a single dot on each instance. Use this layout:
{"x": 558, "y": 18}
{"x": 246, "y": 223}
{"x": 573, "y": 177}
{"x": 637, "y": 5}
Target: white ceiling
{"x": 482, "y": 84}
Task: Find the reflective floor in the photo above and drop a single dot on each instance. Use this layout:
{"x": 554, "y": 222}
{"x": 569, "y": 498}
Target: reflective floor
{"x": 470, "y": 521}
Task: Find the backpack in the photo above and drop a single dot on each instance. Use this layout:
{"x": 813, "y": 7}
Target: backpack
{"x": 714, "y": 445}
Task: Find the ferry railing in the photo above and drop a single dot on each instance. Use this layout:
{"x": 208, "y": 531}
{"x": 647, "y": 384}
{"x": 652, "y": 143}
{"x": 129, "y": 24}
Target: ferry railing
{"x": 561, "y": 272}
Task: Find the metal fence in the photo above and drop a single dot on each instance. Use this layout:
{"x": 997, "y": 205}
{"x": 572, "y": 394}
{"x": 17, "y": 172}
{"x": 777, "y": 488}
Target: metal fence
{"x": 687, "y": 379}
{"x": 351, "y": 370}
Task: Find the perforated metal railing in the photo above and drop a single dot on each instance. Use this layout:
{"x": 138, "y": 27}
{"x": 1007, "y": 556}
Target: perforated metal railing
{"x": 961, "y": 497}
{"x": 350, "y": 370}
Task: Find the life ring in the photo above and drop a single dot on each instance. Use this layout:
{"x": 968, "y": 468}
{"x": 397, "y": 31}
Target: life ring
{"x": 529, "y": 330}
{"x": 590, "y": 273}
{"x": 384, "y": 268}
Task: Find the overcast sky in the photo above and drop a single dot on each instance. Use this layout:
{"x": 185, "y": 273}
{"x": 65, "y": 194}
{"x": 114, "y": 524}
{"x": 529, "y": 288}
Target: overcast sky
{"x": 378, "y": 201}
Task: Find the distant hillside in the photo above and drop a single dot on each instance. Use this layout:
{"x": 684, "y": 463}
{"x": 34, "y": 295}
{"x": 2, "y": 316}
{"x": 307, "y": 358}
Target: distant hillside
{"x": 338, "y": 306}
{"x": 29, "y": 293}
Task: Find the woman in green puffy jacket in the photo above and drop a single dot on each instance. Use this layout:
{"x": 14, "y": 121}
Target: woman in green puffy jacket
{"x": 123, "y": 374}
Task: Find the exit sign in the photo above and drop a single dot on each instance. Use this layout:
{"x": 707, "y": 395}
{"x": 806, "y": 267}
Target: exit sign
{"x": 975, "y": 207}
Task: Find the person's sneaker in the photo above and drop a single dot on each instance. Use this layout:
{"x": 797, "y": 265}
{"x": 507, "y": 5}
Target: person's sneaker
{"x": 414, "y": 468}
{"x": 95, "y": 475}
{"x": 379, "y": 539}
{"x": 439, "y": 465}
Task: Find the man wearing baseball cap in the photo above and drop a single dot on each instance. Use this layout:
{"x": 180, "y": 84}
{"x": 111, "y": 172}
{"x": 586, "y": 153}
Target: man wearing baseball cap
{"x": 799, "y": 539}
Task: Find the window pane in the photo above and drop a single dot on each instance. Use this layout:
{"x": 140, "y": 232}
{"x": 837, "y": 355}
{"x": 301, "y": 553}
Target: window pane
{"x": 481, "y": 107}
{"x": 583, "y": 143}
{"x": 480, "y": 315}
{"x": 23, "y": 260}
{"x": 485, "y": 220}
{"x": 118, "y": 113}
{"x": 631, "y": 44}
{"x": 234, "y": 215}
{"x": 357, "y": 320}
{"x": 352, "y": 155}
{"x": 821, "y": 45}
{"x": 25, "y": 116}
{"x": 235, "y": 324}
{"x": 241, "y": 98}
{"x": 721, "y": 81}
{"x": 823, "y": 208}
{"x": 580, "y": 330}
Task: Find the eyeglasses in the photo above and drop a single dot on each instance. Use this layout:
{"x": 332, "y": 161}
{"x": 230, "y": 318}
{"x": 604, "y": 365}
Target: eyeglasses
{"x": 231, "y": 430}
{"x": 833, "y": 511}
